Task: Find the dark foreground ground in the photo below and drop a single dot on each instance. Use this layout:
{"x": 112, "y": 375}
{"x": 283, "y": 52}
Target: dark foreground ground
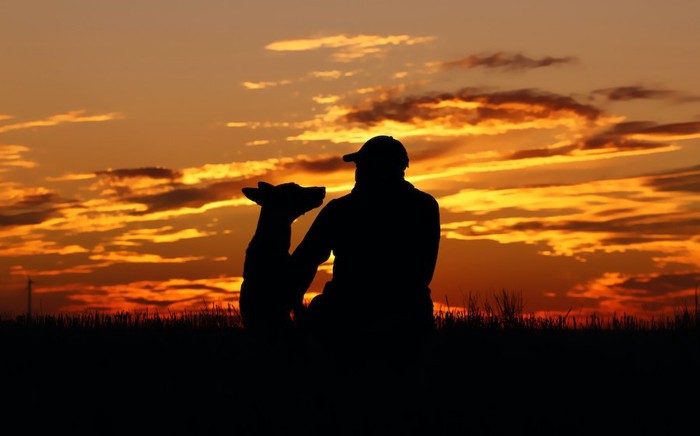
{"x": 213, "y": 378}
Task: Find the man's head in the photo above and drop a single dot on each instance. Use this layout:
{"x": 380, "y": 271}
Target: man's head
{"x": 382, "y": 151}
{"x": 380, "y": 158}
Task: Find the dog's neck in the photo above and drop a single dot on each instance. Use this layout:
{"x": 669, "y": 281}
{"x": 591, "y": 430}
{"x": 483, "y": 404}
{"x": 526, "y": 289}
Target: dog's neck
{"x": 274, "y": 229}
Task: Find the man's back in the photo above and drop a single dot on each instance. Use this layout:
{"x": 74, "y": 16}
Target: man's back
{"x": 385, "y": 241}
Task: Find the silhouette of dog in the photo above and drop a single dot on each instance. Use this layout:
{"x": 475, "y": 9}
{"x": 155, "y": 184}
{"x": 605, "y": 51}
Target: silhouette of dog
{"x": 266, "y": 299}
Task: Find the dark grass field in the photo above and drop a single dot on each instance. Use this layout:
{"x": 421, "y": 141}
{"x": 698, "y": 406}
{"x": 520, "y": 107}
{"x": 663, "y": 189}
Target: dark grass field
{"x": 480, "y": 373}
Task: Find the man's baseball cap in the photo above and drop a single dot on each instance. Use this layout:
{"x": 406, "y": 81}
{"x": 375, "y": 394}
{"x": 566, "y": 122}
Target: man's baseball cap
{"x": 380, "y": 150}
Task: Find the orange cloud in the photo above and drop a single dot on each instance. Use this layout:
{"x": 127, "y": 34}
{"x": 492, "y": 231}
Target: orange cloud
{"x": 34, "y": 247}
{"x": 125, "y": 181}
{"x": 11, "y": 156}
{"x": 468, "y": 112}
{"x": 77, "y": 269}
{"x": 137, "y": 237}
{"x": 348, "y": 47}
{"x": 606, "y": 216}
{"x": 232, "y": 170}
{"x": 104, "y": 215}
{"x": 326, "y": 99}
{"x": 331, "y": 74}
{"x": 263, "y": 85}
{"x": 129, "y": 196}
{"x": 14, "y": 195}
{"x": 175, "y": 294}
{"x": 651, "y": 294}
{"x": 71, "y": 177}
{"x": 79, "y": 116}
{"x": 132, "y": 257}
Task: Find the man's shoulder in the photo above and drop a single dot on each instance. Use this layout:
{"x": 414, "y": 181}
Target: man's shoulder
{"x": 339, "y": 202}
{"x": 336, "y": 204}
{"x": 423, "y": 196}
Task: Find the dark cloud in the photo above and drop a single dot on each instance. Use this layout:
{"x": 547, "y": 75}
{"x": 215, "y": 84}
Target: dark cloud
{"x": 622, "y": 130}
{"x": 36, "y": 200}
{"x": 624, "y": 93}
{"x": 20, "y": 213}
{"x": 669, "y": 224}
{"x": 685, "y": 180}
{"x": 640, "y": 228}
{"x": 505, "y": 61}
{"x": 23, "y": 212}
{"x": 191, "y": 197}
{"x": 148, "y": 172}
{"x": 26, "y": 218}
{"x": 633, "y": 240}
{"x": 662, "y": 284}
{"x": 682, "y": 129}
{"x": 616, "y": 138}
{"x": 495, "y": 105}
{"x": 178, "y": 196}
{"x": 320, "y": 165}
{"x": 621, "y": 136}
{"x": 509, "y": 212}
{"x": 614, "y": 211}
{"x": 542, "y": 152}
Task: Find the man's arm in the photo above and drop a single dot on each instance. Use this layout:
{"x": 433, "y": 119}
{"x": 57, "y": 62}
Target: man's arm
{"x": 313, "y": 250}
{"x": 433, "y": 242}
{"x": 427, "y": 240}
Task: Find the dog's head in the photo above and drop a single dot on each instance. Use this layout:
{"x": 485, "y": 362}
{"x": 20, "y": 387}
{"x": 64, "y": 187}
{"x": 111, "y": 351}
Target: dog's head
{"x": 288, "y": 198}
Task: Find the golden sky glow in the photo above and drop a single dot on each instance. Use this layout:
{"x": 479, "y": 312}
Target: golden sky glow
{"x": 563, "y": 148}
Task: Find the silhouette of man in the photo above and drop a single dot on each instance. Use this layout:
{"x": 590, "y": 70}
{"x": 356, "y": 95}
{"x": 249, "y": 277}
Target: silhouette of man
{"x": 384, "y": 235}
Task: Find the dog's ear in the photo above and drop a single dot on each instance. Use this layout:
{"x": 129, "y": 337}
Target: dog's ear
{"x": 252, "y": 194}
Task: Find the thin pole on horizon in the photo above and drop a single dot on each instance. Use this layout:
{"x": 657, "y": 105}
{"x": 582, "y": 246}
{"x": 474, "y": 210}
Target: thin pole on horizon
{"x": 29, "y": 297}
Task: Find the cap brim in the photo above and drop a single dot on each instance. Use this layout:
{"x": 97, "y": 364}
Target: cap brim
{"x": 352, "y": 157}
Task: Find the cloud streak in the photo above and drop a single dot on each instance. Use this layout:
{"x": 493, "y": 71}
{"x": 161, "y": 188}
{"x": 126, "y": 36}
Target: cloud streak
{"x": 468, "y": 112}
{"x": 160, "y": 235}
{"x": 147, "y": 172}
{"x": 570, "y": 220}
{"x": 24, "y": 207}
{"x": 682, "y": 180}
{"x": 662, "y": 284}
{"x": 175, "y": 294}
{"x": 135, "y": 195}
{"x": 79, "y": 116}
{"x": 641, "y": 294}
{"x": 669, "y": 132}
{"x": 348, "y": 47}
{"x": 39, "y": 247}
{"x": 11, "y": 156}
{"x": 265, "y": 84}
{"x": 133, "y": 257}
{"x": 627, "y": 93}
{"x": 504, "y": 61}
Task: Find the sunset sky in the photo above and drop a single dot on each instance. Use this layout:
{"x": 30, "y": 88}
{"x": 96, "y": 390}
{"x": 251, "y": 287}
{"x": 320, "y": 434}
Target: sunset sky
{"x": 561, "y": 140}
